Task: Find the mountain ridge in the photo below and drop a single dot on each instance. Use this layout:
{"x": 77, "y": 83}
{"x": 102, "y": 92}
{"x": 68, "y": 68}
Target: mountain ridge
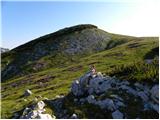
{"x": 65, "y": 44}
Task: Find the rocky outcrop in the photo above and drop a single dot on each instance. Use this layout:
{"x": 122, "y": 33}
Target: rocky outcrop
{"x": 75, "y": 40}
{"x": 27, "y": 92}
{"x": 115, "y": 95}
{"x": 36, "y": 112}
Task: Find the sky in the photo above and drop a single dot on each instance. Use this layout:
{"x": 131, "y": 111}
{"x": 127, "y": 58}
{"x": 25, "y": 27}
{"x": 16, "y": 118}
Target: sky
{"x": 23, "y": 21}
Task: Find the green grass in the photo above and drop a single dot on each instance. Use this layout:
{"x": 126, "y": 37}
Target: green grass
{"x": 125, "y": 58}
{"x": 138, "y": 71}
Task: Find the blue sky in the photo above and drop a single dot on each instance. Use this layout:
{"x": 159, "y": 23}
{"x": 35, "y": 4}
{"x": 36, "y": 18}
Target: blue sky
{"x": 24, "y": 21}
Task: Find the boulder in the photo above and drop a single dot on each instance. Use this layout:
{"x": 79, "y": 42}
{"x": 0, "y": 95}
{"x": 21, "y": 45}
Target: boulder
{"x": 117, "y": 115}
{"x": 106, "y": 104}
{"x": 99, "y": 85}
{"x": 116, "y": 97}
{"x": 74, "y": 116}
{"x": 40, "y": 105}
{"x": 27, "y": 92}
{"x": 155, "y": 93}
{"x": 91, "y": 99}
{"x": 36, "y": 112}
{"x": 119, "y": 104}
{"x": 59, "y": 96}
{"x": 138, "y": 86}
{"x": 77, "y": 89}
{"x": 44, "y": 116}
{"x": 129, "y": 90}
{"x": 155, "y": 107}
{"x": 143, "y": 96}
{"x": 108, "y": 91}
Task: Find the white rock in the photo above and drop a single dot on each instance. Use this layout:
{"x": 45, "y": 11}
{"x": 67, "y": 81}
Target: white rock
{"x": 155, "y": 107}
{"x": 117, "y": 115}
{"x": 40, "y": 105}
{"x": 128, "y": 89}
{"x": 27, "y": 92}
{"x": 117, "y": 97}
{"x": 138, "y": 85}
{"x": 107, "y": 104}
{"x": 41, "y": 110}
{"x": 59, "y": 96}
{"x": 99, "y": 85}
{"x": 34, "y": 114}
{"x": 76, "y": 89}
{"x": 125, "y": 82}
{"x": 44, "y": 116}
{"x": 74, "y": 116}
{"x": 119, "y": 104}
{"x": 143, "y": 96}
{"x": 91, "y": 99}
{"x": 26, "y": 111}
{"x": 91, "y": 90}
{"x": 155, "y": 93}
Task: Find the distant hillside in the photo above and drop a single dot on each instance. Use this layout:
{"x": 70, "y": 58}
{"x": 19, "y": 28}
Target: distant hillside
{"x": 59, "y": 48}
{"x": 4, "y": 50}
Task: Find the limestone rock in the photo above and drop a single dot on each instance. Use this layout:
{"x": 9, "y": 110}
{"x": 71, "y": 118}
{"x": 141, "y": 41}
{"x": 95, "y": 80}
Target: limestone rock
{"x": 91, "y": 99}
{"x": 143, "y": 96}
{"x": 40, "y": 105}
{"x": 74, "y": 116}
{"x": 107, "y": 104}
{"x": 27, "y": 92}
{"x": 44, "y": 116}
{"x": 36, "y": 112}
{"x": 77, "y": 88}
{"x": 155, "y": 93}
{"x": 109, "y": 90}
{"x": 117, "y": 115}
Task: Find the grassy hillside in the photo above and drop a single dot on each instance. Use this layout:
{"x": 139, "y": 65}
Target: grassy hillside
{"x": 58, "y": 49}
{"x": 123, "y": 56}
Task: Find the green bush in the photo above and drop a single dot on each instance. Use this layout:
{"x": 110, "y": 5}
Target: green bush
{"x": 138, "y": 71}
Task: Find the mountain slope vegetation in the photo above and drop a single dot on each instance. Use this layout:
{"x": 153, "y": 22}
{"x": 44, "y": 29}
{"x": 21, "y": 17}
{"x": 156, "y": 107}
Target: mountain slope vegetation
{"x": 68, "y": 44}
{"x": 49, "y": 64}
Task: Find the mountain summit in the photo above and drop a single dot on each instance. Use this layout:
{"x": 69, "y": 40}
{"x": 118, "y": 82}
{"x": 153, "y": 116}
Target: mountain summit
{"x": 67, "y": 44}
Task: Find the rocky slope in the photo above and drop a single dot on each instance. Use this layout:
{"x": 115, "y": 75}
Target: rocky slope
{"x": 64, "y": 45}
{"x": 116, "y": 98}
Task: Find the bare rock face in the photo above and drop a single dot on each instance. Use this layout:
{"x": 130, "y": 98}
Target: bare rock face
{"x": 70, "y": 41}
{"x": 36, "y": 112}
{"x": 112, "y": 94}
{"x": 155, "y": 93}
{"x": 117, "y": 115}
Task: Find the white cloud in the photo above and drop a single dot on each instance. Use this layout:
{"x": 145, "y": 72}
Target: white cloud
{"x": 144, "y": 21}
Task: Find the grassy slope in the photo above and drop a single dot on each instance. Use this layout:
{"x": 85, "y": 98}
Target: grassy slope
{"x": 48, "y": 51}
{"x": 58, "y": 80}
